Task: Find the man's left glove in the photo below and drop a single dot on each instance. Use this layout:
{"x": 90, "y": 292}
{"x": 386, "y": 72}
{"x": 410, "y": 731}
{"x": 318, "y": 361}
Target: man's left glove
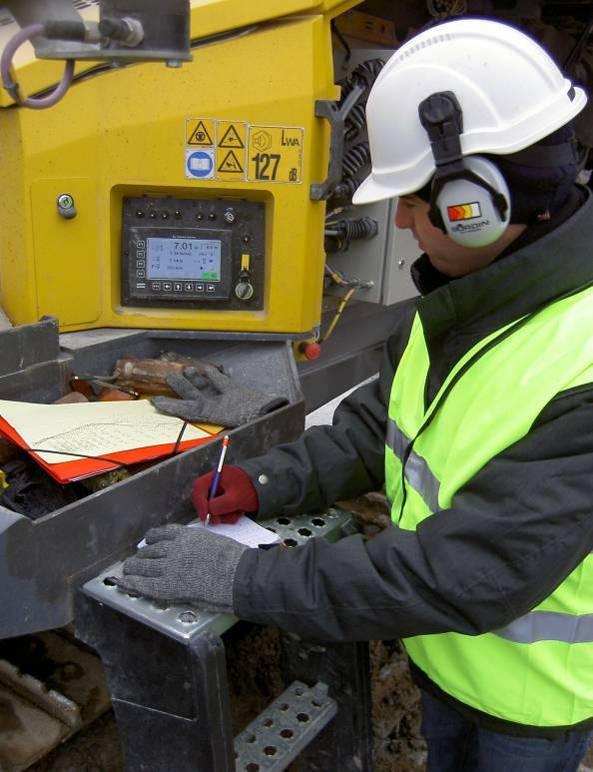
{"x": 184, "y": 565}
{"x": 214, "y": 398}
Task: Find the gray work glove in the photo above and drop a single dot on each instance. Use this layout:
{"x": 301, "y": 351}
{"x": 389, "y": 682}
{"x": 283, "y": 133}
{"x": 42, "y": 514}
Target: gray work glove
{"x": 184, "y": 565}
{"x": 215, "y": 398}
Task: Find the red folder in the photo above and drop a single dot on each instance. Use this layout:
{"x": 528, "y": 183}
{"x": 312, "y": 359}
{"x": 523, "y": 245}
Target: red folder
{"x": 78, "y": 469}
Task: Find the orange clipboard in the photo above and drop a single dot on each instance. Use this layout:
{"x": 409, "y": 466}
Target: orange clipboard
{"x": 78, "y": 469}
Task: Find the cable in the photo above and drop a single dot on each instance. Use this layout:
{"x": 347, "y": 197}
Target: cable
{"x": 363, "y": 76}
{"x": 445, "y": 9}
{"x": 20, "y": 37}
{"x": 336, "y": 316}
{"x": 342, "y": 39}
{"x": 337, "y": 277}
{"x": 355, "y": 122}
{"x": 356, "y": 159}
{"x": 577, "y": 50}
{"x": 340, "y": 233}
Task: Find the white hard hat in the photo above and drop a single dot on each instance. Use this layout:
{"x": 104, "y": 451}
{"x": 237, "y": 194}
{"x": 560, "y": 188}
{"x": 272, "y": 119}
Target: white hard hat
{"x": 510, "y": 91}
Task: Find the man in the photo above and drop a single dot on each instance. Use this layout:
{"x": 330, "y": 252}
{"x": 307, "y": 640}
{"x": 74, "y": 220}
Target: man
{"x": 480, "y": 424}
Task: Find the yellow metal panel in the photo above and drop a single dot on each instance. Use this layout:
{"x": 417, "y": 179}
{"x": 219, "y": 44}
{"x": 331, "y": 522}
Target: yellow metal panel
{"x": 126, "y": 132}
{"x": 208, "y": 17}
{"x": 18, "y": 295}
{"x": 211, "y": 17}
{"x": 66, "y": 260}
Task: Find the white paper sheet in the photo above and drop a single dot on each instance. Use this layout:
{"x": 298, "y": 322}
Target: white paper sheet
{"x": 245, "y": 531}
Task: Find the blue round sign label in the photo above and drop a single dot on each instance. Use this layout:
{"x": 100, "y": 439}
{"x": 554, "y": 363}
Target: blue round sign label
{"x": 199, "y": 164}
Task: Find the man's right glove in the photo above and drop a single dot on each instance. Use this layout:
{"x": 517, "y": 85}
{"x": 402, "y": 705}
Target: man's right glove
{"x": 235, "y": 497}
{"x": 215, "y": 398}
{"x": 184, "y": 565}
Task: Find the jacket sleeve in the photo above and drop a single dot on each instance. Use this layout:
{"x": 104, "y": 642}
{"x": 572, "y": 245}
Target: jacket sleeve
{"x": 513, "y": 534}
{"x": 328, "y": 463}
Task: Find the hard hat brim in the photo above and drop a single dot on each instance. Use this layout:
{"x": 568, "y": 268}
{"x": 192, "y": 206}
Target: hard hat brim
{"x": 370, "y": 191}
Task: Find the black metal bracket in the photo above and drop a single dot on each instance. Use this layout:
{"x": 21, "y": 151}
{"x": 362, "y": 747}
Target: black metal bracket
{"x": 336, "y": 116}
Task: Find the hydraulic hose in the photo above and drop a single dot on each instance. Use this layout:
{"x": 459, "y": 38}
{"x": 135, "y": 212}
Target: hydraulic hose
{"x": 36, "y": 103}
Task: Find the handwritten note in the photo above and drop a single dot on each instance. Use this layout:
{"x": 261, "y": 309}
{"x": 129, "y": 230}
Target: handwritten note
{"x": 93, "y": 428}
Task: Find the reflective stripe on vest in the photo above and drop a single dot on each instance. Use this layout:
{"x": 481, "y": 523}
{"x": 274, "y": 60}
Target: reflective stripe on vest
{"x": 549, "y": 626}
{"x": 417, "y": 471}
{"x": 537, "y": 670}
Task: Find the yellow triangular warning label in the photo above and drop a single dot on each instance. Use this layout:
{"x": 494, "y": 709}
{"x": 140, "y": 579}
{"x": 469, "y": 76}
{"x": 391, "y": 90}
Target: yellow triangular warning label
{"x": 200, "y": 136}
{"x": 230, "y": 163}
{"x": 231, "y": 138}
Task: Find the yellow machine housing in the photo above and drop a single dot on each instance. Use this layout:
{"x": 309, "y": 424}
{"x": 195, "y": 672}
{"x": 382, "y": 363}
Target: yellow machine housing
{"x": 233, "y": 131}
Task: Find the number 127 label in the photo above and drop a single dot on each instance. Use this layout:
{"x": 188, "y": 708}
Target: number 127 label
{"x": 275, "y": 154}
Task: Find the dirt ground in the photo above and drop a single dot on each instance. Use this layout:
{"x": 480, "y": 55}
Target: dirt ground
{"x": 398, "y": 746}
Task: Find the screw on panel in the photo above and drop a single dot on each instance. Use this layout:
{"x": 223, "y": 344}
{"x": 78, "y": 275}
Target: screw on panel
{"x": 66, "y": 208}
{"x": 187, "y": 617}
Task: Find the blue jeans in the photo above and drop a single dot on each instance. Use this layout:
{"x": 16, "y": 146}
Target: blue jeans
{"x": 456, "y": 744}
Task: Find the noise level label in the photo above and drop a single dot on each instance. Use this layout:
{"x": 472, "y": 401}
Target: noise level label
{"x": 239, "y": 151}
{"x": 275, "y": 154}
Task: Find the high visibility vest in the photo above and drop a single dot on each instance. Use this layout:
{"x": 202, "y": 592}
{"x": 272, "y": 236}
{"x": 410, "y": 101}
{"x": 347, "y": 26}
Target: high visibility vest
{"x": 538, "y": 670}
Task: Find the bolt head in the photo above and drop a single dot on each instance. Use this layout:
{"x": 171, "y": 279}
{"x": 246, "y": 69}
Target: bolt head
{"x": 65, "y": 201}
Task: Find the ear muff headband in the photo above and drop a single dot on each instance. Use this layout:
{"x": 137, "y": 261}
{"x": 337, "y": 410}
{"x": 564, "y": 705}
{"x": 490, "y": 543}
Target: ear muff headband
{"x": 469, "y": 198}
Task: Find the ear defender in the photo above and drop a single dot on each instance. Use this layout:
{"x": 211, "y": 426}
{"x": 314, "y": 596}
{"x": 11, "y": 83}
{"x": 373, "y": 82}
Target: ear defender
{"x": 469, "y": 198}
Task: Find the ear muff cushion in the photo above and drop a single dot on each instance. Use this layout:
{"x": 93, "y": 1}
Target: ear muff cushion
{"x": 467, "y": 210}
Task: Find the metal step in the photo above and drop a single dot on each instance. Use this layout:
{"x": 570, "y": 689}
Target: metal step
{"x": 287, "y": 726}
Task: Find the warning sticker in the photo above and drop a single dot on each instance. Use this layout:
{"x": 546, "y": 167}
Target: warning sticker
{"x": 275, "y": 154}
{"x": 231, "y": 150}
{"x": 231, "y": 134}
{"x": 200, "y": 132}
{"x": 234, "y": 150}
{"x": 230, "y": 165}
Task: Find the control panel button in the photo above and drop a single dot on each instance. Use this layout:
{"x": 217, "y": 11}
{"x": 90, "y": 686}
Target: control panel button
{"x": 210, "y": 287}
{"x": 188, "y": 286}
{"x": 141, "y": 253}
{"x": 140, "y": 264}
{"x": 155, "y": 285}
{"x": 140, "y": 274}
{"x": 141, "y": 244}
{"x": 199, "y": 287}
{"x": 167, "y": 286}
{"x": 177, "y": 286}
{"x": 141, "y": 285}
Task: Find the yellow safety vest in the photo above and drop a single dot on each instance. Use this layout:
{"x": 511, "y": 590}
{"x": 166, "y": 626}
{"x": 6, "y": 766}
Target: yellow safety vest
{"x": 538, "y": 670}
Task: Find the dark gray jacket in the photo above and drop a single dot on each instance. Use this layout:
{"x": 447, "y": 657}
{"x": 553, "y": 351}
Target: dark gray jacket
{"x": 514, "y": 532}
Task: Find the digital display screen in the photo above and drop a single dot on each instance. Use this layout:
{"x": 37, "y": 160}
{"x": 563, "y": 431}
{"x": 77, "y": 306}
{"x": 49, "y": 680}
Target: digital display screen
{"x": 183, "y": 259}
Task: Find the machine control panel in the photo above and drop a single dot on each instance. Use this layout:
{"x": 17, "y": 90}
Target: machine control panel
{"x": 192, "y": 253}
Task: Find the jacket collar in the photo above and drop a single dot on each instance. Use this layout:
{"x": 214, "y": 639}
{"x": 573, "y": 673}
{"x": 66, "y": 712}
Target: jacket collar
{"x": 529, "y": 277}
{"x": 460, "y": 312}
